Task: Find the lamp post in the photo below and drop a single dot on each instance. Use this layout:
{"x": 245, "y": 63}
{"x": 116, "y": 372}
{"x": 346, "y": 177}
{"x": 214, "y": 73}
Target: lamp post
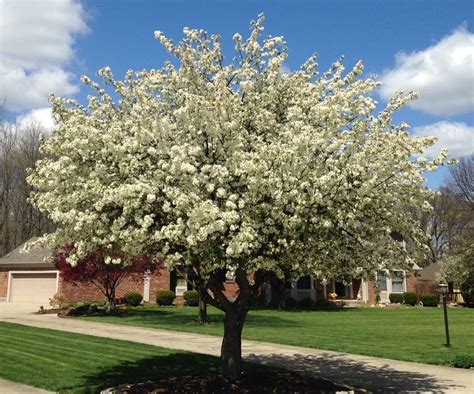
{"x": 443, "y": 290}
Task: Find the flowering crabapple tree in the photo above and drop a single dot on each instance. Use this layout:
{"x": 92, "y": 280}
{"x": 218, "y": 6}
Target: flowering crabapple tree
{"x": 234, "y": 168}
{"x": 94, "y": 268}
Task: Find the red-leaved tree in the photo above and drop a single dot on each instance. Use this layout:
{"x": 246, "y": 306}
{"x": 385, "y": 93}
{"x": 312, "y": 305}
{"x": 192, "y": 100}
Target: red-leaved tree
{"x": 104, "y": 275}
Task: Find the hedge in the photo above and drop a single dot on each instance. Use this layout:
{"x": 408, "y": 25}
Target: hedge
{"x": 133, "y": 298}
{"x": 306, "y": 303}
{"x": 165, "y": 297}
{"x": 191, "y": 298}
{"x": 430, "y": 299}
{"x": 409, "y": 298}
{"x": 463, "y": 361}
{"x": 396, "y": 298}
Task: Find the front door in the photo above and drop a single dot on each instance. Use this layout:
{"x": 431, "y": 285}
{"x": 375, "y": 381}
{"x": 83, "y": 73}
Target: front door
{"x": 340, "y": 289}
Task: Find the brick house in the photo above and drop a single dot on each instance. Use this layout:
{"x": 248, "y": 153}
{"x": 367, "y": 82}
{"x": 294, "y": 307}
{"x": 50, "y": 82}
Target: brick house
{"x": 26, "y": 277}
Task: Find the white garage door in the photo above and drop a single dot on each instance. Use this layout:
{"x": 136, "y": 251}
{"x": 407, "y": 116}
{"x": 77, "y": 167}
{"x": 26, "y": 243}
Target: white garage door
{"x": 33, "y": 287}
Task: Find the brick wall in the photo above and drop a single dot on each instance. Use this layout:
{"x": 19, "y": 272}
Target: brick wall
{"x": 3, "y": 284}
{"x": 85, "y": 292}
{"x": 160, "y": 280}
{"x": 90, "y": 292}
{"x": 79, "y": 291}
{"x": 411, "y": 282}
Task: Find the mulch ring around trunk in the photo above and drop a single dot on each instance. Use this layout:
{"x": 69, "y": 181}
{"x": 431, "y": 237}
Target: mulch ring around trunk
{"x": 251, "y": 382}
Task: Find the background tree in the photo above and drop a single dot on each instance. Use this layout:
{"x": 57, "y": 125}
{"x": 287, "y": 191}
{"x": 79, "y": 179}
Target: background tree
{"x": 461, "y": 181}
{"x": 452, "y": 216}
{"x": 459, "y": 265}
{"x": 19, "y": 151}
{"x": 235, "y": 168}
{"x": 459, "y": 268}
{"x": 447, "y": 221}
{"x": 106, "y": 276}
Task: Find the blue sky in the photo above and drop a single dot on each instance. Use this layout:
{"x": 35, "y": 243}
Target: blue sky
{"x": 426, "y": 45}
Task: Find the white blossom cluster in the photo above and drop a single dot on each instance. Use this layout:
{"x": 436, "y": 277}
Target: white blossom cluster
{"x": 235, "y": 164}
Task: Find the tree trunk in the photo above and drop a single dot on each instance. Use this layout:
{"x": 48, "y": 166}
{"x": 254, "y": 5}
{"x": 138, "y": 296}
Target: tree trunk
{"x": 203, "y": 319}
{"x": 110, "y": 301}
{"x": 110, "y": 305}
{"x": 234, "y": 319}
{"x": 231, "y": 351}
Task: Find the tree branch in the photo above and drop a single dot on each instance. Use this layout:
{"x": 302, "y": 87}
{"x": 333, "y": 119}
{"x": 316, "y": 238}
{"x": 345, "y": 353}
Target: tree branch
{"x": 217, "y": 289}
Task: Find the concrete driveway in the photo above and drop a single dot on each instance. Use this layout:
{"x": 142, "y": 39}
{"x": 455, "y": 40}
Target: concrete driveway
{"x": 12, "y": 310}
{"x": 362, "y": 372}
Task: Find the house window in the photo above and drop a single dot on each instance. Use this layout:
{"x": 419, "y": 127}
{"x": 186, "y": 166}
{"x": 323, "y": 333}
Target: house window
{"x": 397, "y": 282}
{"x": 382, "y": 281}
{"x": 304, "y": 282}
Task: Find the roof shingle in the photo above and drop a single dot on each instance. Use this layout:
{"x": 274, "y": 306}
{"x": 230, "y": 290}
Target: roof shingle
{"x": 33, "y": 257}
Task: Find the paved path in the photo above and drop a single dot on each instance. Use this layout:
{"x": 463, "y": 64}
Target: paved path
{"x": 7, "y": 387}
{"x": 362, "y": 372}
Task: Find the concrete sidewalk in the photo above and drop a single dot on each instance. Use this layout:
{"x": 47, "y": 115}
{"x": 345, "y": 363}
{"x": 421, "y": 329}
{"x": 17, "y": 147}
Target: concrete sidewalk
{"x": 362, "y": 372}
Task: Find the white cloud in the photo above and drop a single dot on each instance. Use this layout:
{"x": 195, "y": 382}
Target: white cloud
{"x": 458, "y": 138}
{"x": 36, "y": 45}
{"x": 443, "y": 74}
{"x": 42, "y": 117}
{"x": 285, "y": 69}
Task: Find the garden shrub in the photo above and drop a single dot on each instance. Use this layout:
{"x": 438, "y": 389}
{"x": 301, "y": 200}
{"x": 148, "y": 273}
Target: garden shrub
{"x": 290, "y": 303}
{"x": 324, "y": 304}
{"x": 329, "y": 305}
{"x": 463, "y": 361}
{"x": 59, "y": 301}
{"x": 165, "y": 297}
{"x": 133, "y": 298}
{"x": 306, "y": 303}
{"x": 396, "y": 298}
{"x": 430, "y": 299}
{"x": 191, "y": 298}
{"x": 409, "y": 298}
{"x": 89, "y": 308}
{"x": 81, "y": 308}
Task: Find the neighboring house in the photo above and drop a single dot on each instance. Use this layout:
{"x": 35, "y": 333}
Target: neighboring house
{"x": 354, "y": 289}
{"x": 26, "y": 277}
{"x": 428, "y": 278}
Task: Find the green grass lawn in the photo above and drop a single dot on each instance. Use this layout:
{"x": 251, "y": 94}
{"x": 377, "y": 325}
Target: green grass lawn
{"x": 411, "y": 334}
{"x": 61, "y": 361}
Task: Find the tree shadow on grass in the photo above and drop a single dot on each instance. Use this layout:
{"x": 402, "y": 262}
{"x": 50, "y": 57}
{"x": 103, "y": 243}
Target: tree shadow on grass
{"x": 179, "y": 365}
{"x": 357, "y": 374}
{"x": 147, "y": 369}
{"x": 319, "y": 310}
